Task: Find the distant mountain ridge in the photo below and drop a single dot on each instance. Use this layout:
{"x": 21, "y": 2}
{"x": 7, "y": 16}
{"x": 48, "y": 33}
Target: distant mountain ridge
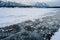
{"x": 15, "y": 4}
{"x": 2, "y": 3}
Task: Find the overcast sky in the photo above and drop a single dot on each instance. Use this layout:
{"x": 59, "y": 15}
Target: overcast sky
{"x": 50, "y": 2}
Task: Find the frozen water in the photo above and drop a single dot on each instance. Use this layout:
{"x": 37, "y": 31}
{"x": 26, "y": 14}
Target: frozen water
{"x": 10, "y": 16}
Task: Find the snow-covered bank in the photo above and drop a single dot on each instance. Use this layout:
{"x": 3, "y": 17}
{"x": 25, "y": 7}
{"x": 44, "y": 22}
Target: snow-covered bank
{"x": 56, "y": 36}
{"x": 10, "y": 16}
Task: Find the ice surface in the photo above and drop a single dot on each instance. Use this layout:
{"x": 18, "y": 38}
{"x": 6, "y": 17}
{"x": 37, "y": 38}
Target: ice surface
{"x": 10, "y": 16}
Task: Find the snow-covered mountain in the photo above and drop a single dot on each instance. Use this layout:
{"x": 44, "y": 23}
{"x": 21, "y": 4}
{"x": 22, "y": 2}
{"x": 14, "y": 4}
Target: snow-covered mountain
{"x": 2, "y": 3}
{"x": 38, "y": 4}
{"x": 15, "y": 4}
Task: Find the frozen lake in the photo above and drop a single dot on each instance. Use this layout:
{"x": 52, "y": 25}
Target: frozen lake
{"x": 10, "y": 16}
